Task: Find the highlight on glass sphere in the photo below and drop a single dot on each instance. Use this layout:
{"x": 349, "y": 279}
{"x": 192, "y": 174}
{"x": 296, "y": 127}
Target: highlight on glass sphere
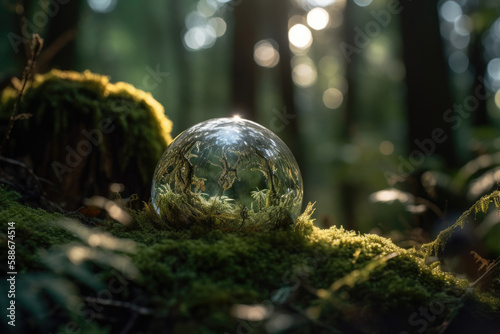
{"x": 228, "y": 171}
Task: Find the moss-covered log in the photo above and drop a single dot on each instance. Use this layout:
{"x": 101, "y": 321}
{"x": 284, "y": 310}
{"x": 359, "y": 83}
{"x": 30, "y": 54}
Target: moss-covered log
{"x": 86, "y": 133}
{"x": 298, "y": 279}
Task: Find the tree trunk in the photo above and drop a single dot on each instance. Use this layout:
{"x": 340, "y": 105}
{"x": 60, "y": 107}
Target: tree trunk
{"x": 480, "y": 117}
{"x": 183, "y": 69}
{"x": 347, "y": 187}
{"x": 428, "y": 96}
{"x": 59, "y": 46}
{"x": 278, "y": 20}
{"x": 243, "y": 71}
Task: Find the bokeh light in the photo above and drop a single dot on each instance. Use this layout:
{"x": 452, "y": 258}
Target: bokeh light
{"x": 207, "y": 8}
{"x": 318, "y": 18}
{"x": 300, "y": 36}
{"x": 378, "y": 52}
{"x": 321, "y": 3}
{"x": 463, "y": 25}
{"x": 450, "y": 10}
{"x": 495, "y": 28}
{"x": 194, "y": 19}
{"x": 219, "y": 25}
{"x": 386, "y": 147}
{"x": 497, "y": 100}
{"x": 493, "y": 69}
{"x": 390, "y": 195}
{"x": 491, "y": 41}
{"x": 200, "y": 37}
{"x": 458, "y": 61}
{"x": 102, "y": 6}
{"x": 296, "y": 19}
{"x": 362, "y": 3}
{"x": 265, "y": 53}
{"x": 203, "y": 28}
{"x": 333, "y": 98}
{"x": 304, "y": 74}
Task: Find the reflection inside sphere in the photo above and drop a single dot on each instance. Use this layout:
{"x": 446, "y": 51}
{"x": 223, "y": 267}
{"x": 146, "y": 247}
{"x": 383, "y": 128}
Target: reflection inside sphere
{"x": 229, "y": 169}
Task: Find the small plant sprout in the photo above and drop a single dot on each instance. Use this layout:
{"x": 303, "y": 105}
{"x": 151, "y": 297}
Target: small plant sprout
{"x": 227, "y": 172}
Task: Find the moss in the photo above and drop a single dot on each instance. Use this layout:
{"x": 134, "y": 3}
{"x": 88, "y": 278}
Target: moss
{"x": 330, "y": 280}
{"x": 61, "y": 97}
{"x": 185, "y": 210}
{"x": 481, "y": 206}
{"x": 35, "y": 231}
{"x": 125, "y": 128}
{"x": 203, "y": 272}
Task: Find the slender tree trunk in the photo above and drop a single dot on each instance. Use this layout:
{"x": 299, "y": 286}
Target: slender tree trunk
{"x": 479, "y": 67}
{"x": 243, "y": 70}
{"x": 347, "y": 187}
{"x": 183, "y": 70}
{"x": 59, "y": 43}
{"x": 429, "y": 100}
{"x": 428, "y": 96}
{"x": 350, "y": 64}
{"x": 278, "y": 21}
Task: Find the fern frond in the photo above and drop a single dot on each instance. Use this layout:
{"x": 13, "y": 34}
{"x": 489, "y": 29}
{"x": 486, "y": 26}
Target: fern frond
{"x": 480, "y": 260}
{"x": 481, "y": 206}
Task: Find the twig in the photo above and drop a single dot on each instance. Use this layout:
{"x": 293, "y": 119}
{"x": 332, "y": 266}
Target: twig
{"x": 36, "y": 48}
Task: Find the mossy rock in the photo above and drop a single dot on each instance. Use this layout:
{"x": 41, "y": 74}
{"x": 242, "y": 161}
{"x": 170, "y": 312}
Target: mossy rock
{"x": 298, "y": 279}
{"x": 86, "y": 133}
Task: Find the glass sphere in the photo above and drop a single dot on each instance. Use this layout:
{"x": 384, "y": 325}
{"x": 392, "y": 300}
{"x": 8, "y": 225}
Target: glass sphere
{"x": 228, "y": 169}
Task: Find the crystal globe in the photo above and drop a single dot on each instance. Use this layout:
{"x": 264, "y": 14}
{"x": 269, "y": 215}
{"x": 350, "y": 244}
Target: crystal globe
{"x": 227, "y": 170}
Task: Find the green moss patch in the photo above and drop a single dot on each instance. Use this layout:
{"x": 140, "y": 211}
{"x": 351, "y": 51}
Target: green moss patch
{"x": 300, "y": 279}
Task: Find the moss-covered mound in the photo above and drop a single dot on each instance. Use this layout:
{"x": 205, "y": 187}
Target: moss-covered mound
{"x": 85, "y": 133}
{"x": 138, "y": 279}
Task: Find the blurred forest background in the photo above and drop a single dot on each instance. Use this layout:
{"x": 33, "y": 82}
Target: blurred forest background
{"x": 390, "y": 107}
